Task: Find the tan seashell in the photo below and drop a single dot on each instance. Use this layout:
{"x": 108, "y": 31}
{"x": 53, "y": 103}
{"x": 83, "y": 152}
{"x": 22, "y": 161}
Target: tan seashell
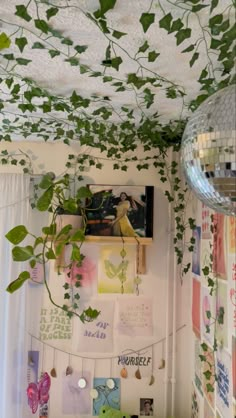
{"x": 53, "y": 372}
{"x": 138, "y": 374}
{"x": 152, "y": 380}
{"x": 69, "y": 370}
{"x": 162, "y": 364}
{"x": 124, "y": 373}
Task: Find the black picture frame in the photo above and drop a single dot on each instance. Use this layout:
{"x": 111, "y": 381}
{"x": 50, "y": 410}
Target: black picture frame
{"x": 120, "y": 210}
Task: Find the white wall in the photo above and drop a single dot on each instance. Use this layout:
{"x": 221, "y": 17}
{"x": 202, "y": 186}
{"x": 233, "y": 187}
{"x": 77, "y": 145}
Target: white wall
{"x": 52, "y": 157}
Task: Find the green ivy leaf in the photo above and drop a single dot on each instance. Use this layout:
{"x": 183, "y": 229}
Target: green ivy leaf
{"x": 22, "y": 253}
{"x": 53, "y": 53}
{"x": 23, "y": 61}
{"x": 17, "y": 234}
{"x": 194, "y": 58}
{"x": 80, "y": 48}
{"x": 189, "y": 48}
{"x": 67, "y": 41}
{"x": 215, "y": 43}
{"x": 16, "y": 284}
{"x": 146, "y": 20}
{"x": 50, "y": 254}
{"x": 116, "y": 34}
{"x": 209, "y": 387}
{"x": 38, "y": 45}
{"x": 183, "y": 34}
{"x": 9, "y": 57}
{"x": 204, "y": 347}
{"x": 207, "y": 374}
{"x": 144, "y": 47}
{"x": 22, "y": 12}
{"x": 176, "y": 25}
{"x": 152, "y": 56}
{"x": 214, "y": 4}
{"x": 165, "y": 22}
{"x": 51, "y": 12}
{"x": 199, "y": 7}
{"x": 115, "y": 62}
{"x": 41, "y": 25}
{"x": 5, "y": 41}
{"x": 106, "y": 5}
{"x": 74, "y": 62}
{"x": 215, "y": 20}
{"x": 21, "y": 43}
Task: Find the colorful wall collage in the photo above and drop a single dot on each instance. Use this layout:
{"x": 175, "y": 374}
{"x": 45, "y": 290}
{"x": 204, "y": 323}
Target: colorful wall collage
{"x": 214, "y": 315}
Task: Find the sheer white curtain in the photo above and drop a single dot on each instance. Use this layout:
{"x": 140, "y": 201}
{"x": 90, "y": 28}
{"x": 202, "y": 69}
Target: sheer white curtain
{"x": 14, "y": 210}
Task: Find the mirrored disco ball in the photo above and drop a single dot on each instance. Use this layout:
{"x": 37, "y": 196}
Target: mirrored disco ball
{"x": 208, "y": 151}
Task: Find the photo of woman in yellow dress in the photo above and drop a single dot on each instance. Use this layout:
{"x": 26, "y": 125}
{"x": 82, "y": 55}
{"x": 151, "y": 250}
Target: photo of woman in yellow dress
{"x": 121, "y": 224}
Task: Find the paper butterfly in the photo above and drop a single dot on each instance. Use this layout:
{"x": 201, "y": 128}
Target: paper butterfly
{"x": 38, "y": 393}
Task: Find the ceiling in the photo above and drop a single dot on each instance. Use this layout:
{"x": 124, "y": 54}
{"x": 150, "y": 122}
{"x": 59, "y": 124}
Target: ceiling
{"x": 60, "y": 78}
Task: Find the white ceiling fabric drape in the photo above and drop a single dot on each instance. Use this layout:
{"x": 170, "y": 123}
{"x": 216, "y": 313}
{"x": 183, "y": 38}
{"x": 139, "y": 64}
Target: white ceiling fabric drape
{"x": 14, "y": 210}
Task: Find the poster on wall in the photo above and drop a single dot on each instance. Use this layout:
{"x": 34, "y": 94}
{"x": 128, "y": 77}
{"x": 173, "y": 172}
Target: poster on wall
{"x": 231, "y": 234}
{"x": 116, "y": 270}
{"x": 135, "y": 317}
{"x": 209, "y": 366}
{"x": 76, "y": 400}
{"x": 195, "y": 404}
{"x": 219, "y": 246}
{"x": 234, "y": 366}
{"x": 196, "y": 261}
{"x": 120, "y": 211}
{"x": 206, "y": 222}
{"x": 222, "y": 314}
{"x": 197, "y": 366}
{"x": 97, "y": 336}
{"x": 206, "y": 254}
{"x": 208, "y": 411}
{"x": 54, "y": 325}
{"x": 106, "y": 391}
{"x": 208, "y": 307}
{"x": 224, "y": 383}
{"x": 132, "y": 363}
{"x": 196, "y": 300}
{"x": 232, "y": 294}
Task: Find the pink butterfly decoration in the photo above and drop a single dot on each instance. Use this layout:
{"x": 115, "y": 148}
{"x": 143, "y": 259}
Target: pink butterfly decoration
{"x": 86, "y": 270}
{"x": 38, "y": 393}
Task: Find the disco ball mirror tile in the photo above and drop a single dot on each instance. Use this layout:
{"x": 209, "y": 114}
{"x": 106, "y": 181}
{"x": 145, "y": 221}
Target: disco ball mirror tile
{"x": 208, "y": 151}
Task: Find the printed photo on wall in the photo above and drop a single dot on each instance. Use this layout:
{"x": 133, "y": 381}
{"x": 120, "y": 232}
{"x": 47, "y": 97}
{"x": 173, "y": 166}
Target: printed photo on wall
{"x": 120, "y": 211}
{"x": 219, "y": 243}
{"x": 196, "y": 267}
{"x": 76, "y": 400}
{"x": 116, "y": 269}
{"x": 106, "y": 391}
{"x": 146, "y": 407}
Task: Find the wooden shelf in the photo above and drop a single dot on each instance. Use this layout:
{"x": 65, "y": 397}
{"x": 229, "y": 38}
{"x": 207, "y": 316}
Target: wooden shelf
{"x": 118, "y": 240}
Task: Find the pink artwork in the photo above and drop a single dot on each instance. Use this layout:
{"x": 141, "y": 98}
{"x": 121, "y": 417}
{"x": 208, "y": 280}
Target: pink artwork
{"x": 87, "y": 270}
{"x": 38, "y": 394}
{"x": 231, "y": 234}
{"x": 206, "y": 222}
{"x": 196, "y": 294}
{"x": 219, "y": 264}
{"x": 234, "y": 365}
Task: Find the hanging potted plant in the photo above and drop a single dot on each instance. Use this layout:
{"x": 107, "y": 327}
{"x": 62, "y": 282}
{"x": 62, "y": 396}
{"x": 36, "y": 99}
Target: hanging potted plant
{"x": 58, "y": 200}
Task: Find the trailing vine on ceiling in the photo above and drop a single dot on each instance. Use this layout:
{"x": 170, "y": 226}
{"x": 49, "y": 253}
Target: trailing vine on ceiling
{"x": 115, "y": 132}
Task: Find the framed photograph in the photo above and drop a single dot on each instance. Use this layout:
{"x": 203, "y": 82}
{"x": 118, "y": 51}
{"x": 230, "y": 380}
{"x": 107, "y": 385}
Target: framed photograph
{"x": 120, "y": 211}
{"x": 146, "y": 407}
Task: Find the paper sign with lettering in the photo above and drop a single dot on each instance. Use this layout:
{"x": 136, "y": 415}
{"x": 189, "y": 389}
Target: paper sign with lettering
{"x": 76, "y": 400}
{"x": 207, "y": 305}
{"x": 135, "y": 317}
{"x": 206, "y": 222}
{"x": 196, "y": 295}
{"x": 54, "y": 325}
{"x": 97, "y": 336}
{"x": 224, "y": 383}
{"x": 221, "y": 306}
{"x": 219, "y": 250}
{"x": 196, "y": 262}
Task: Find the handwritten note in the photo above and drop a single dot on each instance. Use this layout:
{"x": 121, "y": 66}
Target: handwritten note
{"x": 135, "y": 317}
{"x": 54, "y": 325}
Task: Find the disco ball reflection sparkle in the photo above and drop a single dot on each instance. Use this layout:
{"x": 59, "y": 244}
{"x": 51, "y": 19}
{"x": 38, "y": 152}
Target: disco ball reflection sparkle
{"x": 208, "y": 151}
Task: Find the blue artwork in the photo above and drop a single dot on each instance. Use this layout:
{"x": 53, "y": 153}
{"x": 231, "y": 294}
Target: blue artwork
{"x": 196, "y": 269}
{"x": 107, "y": 394}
